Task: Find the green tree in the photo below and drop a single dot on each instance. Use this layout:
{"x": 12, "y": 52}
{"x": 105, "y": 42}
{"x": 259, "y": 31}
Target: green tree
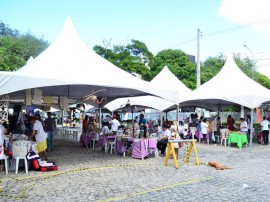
{"x": 178, "y": 63}
{"x": 135, "y": 57}
{"x": 16, "y": 49}
{"x": 213, "y": 65}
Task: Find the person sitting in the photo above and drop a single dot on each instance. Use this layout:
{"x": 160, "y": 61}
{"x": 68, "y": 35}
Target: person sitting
{"x": 163, "y": 139}
{"x": 105, "y": 129}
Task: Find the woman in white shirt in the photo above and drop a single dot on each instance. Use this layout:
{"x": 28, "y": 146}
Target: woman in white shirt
{"x": 204, "y": 127}
{"x": 40, "y": 135}
{"x": 243, "y": 126}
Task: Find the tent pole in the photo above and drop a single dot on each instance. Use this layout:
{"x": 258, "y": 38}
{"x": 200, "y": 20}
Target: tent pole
{"x": 161, "y": 118}
{"x": 63, "y": 112}
{"x": 242, "y": 112}
{"x": 177, "y": 113}
{"x": 251, "y": 127}
{"x": 99, "y": 117}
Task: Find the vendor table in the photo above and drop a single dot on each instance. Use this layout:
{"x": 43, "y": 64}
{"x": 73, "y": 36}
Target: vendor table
{"x": 238, "y": 138}
{"x": 74, "y": 132}
{"x": 122, "y": 143}
{"x": 171, "y": 148}
{"x": 139, "y": 148}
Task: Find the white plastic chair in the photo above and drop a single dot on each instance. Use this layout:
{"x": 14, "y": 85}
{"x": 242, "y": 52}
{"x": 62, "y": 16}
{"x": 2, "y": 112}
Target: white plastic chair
{"x": 154, "y": 136}
{"x": 20, "y": 150}
{"x": 94, "y": 139}
{"x": 193, "y": 131}
{"x": 224, "y": 136}
{"x": 120, "y": 132}
{"x": 4, "y": 157}
{"x": 112, "y": 145}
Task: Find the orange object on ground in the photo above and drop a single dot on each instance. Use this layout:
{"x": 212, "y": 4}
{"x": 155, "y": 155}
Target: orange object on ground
{"x": 218, "y": 166}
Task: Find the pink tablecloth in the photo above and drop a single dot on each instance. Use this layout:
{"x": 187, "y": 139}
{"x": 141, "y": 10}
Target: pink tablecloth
{"x": 199, "y": 135}
{"x": 103, "y": 139}
{"x": 140, "y": 148}
{"x": 121, "y": 145}
{"x": 86, "y": 138}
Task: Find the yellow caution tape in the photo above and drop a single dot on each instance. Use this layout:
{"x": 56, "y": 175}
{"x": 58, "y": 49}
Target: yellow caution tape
{"x": 154, "y": 189}
{"x": 47, "y": 176}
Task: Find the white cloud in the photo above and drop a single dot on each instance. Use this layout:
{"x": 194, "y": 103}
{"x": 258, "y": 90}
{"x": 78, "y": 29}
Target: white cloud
{"x": 246, "y": 12}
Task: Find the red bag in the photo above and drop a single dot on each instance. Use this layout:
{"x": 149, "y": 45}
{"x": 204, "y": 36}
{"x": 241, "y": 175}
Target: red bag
{"x": 35, "y": 164}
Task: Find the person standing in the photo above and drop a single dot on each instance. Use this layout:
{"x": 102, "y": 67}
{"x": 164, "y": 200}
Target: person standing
{"x": 114, "y": 124}
{"x": 265, "y": 130}
{"x": 212, "y": 129}
{"x": 142, "y": 120}
{"x": 40, "y": 136}
{"x": 248, "y": 124}
{"x": 85, "y": 124}
{"x": 243, "y": 126}
{"x": 50, "y": 128}
{"x": 204, "y": 126}
{"x": 230, "y": 123}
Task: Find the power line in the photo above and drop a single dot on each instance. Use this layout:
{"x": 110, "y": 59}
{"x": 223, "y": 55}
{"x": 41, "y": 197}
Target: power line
{"x": 222, "y": 31}
{"x": 263, "y": 59}
{"x": 184, "y": 42}
{"x": 234, "y": 28}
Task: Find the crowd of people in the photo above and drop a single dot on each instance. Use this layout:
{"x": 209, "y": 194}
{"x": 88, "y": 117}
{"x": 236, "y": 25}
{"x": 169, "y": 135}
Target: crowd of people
{"x": 35, "y": 129}
{"x": 43, "y": 131}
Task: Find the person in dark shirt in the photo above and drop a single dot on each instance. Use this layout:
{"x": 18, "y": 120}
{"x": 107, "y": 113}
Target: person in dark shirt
{"x": 142, "y": 120}
{"x": 50, "y": 128}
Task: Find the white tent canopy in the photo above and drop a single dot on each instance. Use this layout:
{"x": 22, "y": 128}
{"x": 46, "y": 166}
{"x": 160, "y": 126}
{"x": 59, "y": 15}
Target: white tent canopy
{"x": 69, "y": 68}
{"x": 146, "y": 101}
{"x": 229, "y": 86}
{"x": 167, "y": 80}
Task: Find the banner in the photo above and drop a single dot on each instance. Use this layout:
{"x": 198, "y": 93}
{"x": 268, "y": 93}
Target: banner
{"x": 37, "y": 97}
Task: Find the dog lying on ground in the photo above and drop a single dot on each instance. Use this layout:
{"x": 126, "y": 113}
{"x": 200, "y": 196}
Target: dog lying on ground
{"x": 218, "y": 166}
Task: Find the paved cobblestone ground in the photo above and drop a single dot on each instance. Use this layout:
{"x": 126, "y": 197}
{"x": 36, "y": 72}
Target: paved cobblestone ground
{"x": 91, "y": 175}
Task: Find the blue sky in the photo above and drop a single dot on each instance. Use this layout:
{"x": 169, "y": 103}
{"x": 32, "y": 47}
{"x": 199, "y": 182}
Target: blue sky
{"x": 160, "y": 24}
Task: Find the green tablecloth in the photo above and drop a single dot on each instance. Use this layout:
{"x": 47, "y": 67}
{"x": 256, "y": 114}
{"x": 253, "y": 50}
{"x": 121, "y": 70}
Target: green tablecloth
{"x": 237, "y": 138}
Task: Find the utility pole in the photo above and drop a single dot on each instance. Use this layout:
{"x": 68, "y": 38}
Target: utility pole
{"x": 198, "y": 59}
{"x": 253, "y": 61}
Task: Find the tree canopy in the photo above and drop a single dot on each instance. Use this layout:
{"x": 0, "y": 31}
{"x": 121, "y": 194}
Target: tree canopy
{"x": 135, "y": 57}
{"x": 213, "y": 65}
{"x": 179, "y": 64}
{"x": 16, "y": 48}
